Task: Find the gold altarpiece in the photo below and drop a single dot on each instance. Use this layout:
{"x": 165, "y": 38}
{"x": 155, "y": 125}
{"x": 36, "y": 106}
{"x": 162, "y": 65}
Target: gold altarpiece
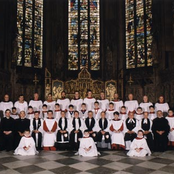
{"x": 83, "y": 83}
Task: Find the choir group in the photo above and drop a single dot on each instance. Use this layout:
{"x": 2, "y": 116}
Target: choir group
{"x": 86, "y": 125}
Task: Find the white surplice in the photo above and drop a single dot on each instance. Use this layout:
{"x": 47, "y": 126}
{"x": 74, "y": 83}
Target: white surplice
{"x": 171, "y": 124}
{"x": 89, "y": 103}
{"x": 64, "y": 103}
{"x": 36, "y": 104}
{"x": 131, "y": 105}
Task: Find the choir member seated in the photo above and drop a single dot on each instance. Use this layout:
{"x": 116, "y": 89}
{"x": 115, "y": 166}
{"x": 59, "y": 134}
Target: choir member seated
{"x": 160, "y": 129}
{"x": 63, "y": 102}
{"x": 49, "y": 132}
{"x": 130, "y": 129}
{"x": 117, "y": 136}
{"x": 87, "y": 146}
{"x": 170, "y": 119}
{"x": 36, "y": 125}
{"x": 145, "y": 126}
{"x": 139, "y": 147}
{"x": 26, "y": 146}
{"x": 103, "y": 102}
{"x": 90, "y": 124}
{"x": 89, "y": 100}
{"x": 77, "y": 126}
{"x": 7, "y": 132}
{"x": 103, "y": 135}
{"x": 21, "y": 125}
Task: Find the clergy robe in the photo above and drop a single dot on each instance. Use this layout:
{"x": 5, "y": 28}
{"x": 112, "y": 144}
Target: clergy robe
{"x": 160, "y": 141}
{"x": 26, "y": 142}
{"x": 96, "y": 113}
{"x": 171, "y": 133}
{"x": 146, "y": 125}
{"x": 77, "y": 124}
{"x": 77, "y": 103}
{"x": 87, "y": 142}
{"x": 91, "y": 126}
{"x": 131, "y": 105}
{"x": 164, "y": 107}
{"x": 5, "y": 105}
{"x": 89, "y": 103}
{"x": 64, "y": 103}
{"x": 36, "y": 104}
{"x": 49, "y": 138}
{"x": 130, "y": 125}
{"x": 145, "y": 106}
{"x": 7, "y": 124}
{"x": 37, "y": 124}
{"x": 21, "y": 106}
{"x": 109, "y": 114}
{"x": 20, "y": 126}
{"x": 117, "y": 104}
{"x": 117, "y": 138}
{"x": 50, "y": 104}
{"x": 63, "y": 125}
{"x": 139, "y": 143}
{"x": 83, "y": 114}
{"x": 103, "y": 104}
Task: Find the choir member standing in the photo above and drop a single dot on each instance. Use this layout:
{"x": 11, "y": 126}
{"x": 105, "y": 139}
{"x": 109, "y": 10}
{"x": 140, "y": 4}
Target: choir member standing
{"x": 63, "y": 102}
{"x": 103, "y": 135}
{"x": 117, "y": 102}
{"x": 44, "y": 111}
{"x": 110, "y": 111}
{"x": 49, "y": 131}
{"x": 14, "y": 113}
{"x": 131, "y": 104}
{"x": 7, "y": 131}
{"x": 77, "y": 126}
{"x": 36, "y": 127}
{"x": 21, "y": 125}
{"x": 50, "y": 102}
{"x": 161, "y": 105}
{"x": 36, "y": 103}
{"x": 145, "y": 104}
{"x": 87, "y": 146}
{"x": 96, "y": 111}
{"x": 30, "y": 112}
{"x": 123, "y": 113}
{"x": 77, "y": 101}
{"x": 21, "y": 105}
{"x": 130, "y": 129}
{"x": 6, "y": 104}
{"x": 117, "y": 135}
{"x": 139, "y": 114}
{"x": 83, "y": 112}
{"x": 145, "y": 126}
{"x": 170, "y": 119}
{"x": 26, "y": 146}
{"x": 90, "y": 124}
{"x": 57, "y": 111}
{"x": 70, "y": 112}
{"x": 139, "y": 147}
{"x": 103, "y": 102}
{"x": 160, "y": 129}
{"x": 89, "y": 100}
{"x": 152, "y": 114}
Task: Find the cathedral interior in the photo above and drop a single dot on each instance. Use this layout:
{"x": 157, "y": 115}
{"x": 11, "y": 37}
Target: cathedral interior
{"x": 46, "y": 44}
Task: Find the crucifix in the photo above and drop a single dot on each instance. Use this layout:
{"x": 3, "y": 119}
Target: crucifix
{"x": 35, "y": 82}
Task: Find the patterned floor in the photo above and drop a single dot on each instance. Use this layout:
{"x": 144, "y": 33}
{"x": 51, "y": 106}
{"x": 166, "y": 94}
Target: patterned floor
{"x": 64, "y": 162}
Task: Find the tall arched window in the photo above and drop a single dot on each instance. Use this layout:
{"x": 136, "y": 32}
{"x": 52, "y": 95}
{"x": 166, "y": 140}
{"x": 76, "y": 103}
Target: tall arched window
{"x": 84, "y": 34}
{"x": 138, "y": 33}
{"x": 30, "y": 33}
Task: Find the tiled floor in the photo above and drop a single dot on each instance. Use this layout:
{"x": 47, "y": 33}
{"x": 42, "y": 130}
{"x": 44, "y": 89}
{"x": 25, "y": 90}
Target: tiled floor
{"x": 65, "y": 162}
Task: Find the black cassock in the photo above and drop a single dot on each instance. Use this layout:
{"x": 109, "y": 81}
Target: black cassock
{"x": 160, "y": 141}
{"x": 59, "y": 134}
{"x": 36, "y": 127}
{"x": 20, "y": 126}
{"x": 90, "y": 125}
{"x": 7, "y": 140}
{"x": 146, "y": 126}
{"x": 102, "y": 128}
{"x": 75, "y": 143}
{"x": 130, "y": 126}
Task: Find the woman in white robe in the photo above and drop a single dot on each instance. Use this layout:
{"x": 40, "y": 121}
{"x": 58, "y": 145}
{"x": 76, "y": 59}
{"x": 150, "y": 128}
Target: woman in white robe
{"x": 26, "y": 146}
{"x": 139, "y": 147}
{"x": 170, "y": 119}
{"x": 117, "y": 135}
{"x": 87, "y": 146}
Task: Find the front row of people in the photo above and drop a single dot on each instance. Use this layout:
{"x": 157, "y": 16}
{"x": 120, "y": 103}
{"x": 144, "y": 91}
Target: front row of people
{"x": 116, "y": 134}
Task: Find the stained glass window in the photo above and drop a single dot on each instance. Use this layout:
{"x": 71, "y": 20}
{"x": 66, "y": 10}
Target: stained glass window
{"x": 138, "y": 33}
{"x": 30, "y": 33}
{"x": 84, "y": 34}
